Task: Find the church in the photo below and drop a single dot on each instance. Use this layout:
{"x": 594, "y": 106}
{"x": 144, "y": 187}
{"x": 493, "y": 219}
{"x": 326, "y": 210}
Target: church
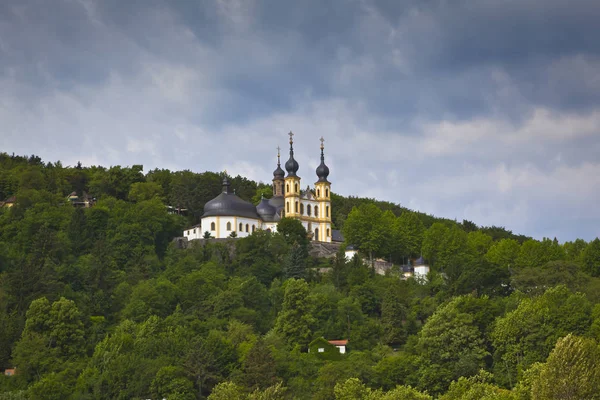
{"x": 227, "y": 215}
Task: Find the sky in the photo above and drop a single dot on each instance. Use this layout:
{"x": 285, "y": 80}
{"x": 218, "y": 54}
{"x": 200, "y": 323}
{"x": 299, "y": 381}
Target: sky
{"x": 483, "y": 110}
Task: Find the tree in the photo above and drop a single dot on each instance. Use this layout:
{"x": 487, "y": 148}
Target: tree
{"x": 370, "y": 229}
{"x": 504, "y": 253}
{"x": 478, "y": 387}
{"x": 259, "y": 369}
{"x": 394, "y": 314}
{"x": 432, "y": 241}
{"x": 451, "y": 345}
{"x": 295, "y": 320}
{"x": 210, "y": 360}
{"x": 527, "y": 334}
{"x": 141, "y": 191}
{"x": 53, "y": 333}
{"x": 410, "y": 232}
{"x": 590, "y": 258}
{"x": 571, "y": 371}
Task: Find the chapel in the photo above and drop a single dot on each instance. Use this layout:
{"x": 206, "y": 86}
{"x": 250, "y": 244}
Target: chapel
{"x": 228, "y": 213}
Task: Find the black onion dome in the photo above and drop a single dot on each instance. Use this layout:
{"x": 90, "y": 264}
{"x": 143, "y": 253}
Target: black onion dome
{"x": 278, "y": 173}
{"x": 420, "y": 261}
{"x": 265, "y": 210}
{"x": 322, "y": 169}
{"x": 229, "y": 204}
{"x": 291, "y": 165}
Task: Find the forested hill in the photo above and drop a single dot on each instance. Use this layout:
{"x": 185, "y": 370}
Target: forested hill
{"x": 180, "y": 189}
{"x": 98, "y": 303}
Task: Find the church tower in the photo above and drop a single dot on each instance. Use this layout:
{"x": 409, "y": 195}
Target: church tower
{"x": 323, "y": 192}
{"x": 278, "y": 177}
{"x": 292, "y": 184}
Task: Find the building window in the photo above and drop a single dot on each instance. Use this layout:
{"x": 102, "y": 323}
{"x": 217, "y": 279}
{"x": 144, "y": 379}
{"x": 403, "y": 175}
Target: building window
{"x": 296, "y": 188}
{"x": 287, "y": 206}
{"x": 247, "y": 227}
{"x": 212, "y": 226}
{"x": 321, "y": 350}
{"x": 316, "y": 211}
{"x": 253, "y": 228}
{"x": 302, "y": 208}
{"x": 296, "y": 208}
{"x": 287, "y": 188}
{"x": 308, "y": 210}
{"x": 326, "y": 192}
{"x": 327, "y": 211}
{"x": 316, "y": 234}
{"x": 241, "y": 227}
{"x": 318, "y": 192}
{"x": 327, "y": 232}
{"x": 229, "y": 226}
{"x": 194, "y": 230}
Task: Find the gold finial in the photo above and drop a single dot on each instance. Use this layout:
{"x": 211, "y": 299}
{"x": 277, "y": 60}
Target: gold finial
{"x": 291, "y": 137}
{"x": 322, "y": 140}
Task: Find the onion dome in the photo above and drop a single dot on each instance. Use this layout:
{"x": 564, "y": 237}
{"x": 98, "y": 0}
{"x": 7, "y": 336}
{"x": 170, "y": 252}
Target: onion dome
{"x": 322, "y": 169}
{"x": 277, "y": 202}
{"x": 278, "y": 173}
{"x": 291, "y": 165}
{"x": 420, "y": 261}
{"x": 265, "y": 210}
{"x": 229, "y": 204}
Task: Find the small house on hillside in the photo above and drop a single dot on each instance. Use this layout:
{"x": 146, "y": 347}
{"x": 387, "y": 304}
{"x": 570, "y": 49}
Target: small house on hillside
{"x": 8, "y": 202}
{"x": 328, "y": 350}
{"x": 84, "y": 200}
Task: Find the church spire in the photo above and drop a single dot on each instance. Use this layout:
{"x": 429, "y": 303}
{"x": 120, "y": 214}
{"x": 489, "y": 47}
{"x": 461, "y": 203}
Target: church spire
{"x": 279, "y": 173}
{"x": 322, "y": 169}
{"x": 291, "y": 166}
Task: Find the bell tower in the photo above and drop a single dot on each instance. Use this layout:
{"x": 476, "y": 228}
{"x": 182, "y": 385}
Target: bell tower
{"x": 323, "y": 192}
{"x": 278, "y": 177}
{"x": 292, "y": 184}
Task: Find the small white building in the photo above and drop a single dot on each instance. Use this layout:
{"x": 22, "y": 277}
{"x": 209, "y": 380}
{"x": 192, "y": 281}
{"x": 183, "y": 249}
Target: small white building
{"x": 340, "y": 344}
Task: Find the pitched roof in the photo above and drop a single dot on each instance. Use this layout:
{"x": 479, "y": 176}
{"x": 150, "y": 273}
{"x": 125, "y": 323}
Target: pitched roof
{"x": 343, "y": 342}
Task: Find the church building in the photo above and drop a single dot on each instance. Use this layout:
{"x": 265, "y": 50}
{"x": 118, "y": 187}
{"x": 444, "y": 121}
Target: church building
{"x": 228, "y": 213}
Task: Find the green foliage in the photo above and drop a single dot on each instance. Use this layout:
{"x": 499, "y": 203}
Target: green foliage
{"x": 527, "y": 334}
{"x": 294, "y": 321}
{"x": 571, "y": 371}
{"x": 101, "y": 303}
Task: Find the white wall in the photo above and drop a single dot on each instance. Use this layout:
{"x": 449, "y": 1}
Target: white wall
{"x": 421, "y": 271}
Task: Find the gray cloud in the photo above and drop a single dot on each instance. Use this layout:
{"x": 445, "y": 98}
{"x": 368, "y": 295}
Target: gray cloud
{"x": 488, "y": 111}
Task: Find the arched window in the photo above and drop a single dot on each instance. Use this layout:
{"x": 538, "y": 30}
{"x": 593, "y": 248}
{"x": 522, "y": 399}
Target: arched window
{"x": 327, "y": 232}
{"x": 287, "y": 206}
{"x": 194, "y": 230}
{"x": 287, "y": 188}
{"x": 326, "y": 192}
{"x": 302, "y": 208}
{"x": 318, "y": 192}
{"x": 327, "y": 211}
{"x": 296, "y": 188}
{"x": 247, "y": 227}
{"x": 241, "y": 227}
{"x": 308, "y": 210}
{"x": 316, "y": 211}
{"x": 253, "y": 228}
{"x": 229, "y": 226}
{"x": 296, "y": 207}
{"x": 316, "y": 234}
{"x": 212, "y": 226}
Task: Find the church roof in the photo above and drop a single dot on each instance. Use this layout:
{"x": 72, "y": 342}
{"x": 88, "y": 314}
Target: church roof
{"x": 420, "y": 261}
{"x": 229, "y": 204}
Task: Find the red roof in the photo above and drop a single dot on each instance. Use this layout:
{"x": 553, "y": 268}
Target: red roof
{"x": 338, "y": 342}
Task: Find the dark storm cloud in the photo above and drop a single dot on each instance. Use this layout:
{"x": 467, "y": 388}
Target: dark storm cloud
{"x": 484, "y": 110}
